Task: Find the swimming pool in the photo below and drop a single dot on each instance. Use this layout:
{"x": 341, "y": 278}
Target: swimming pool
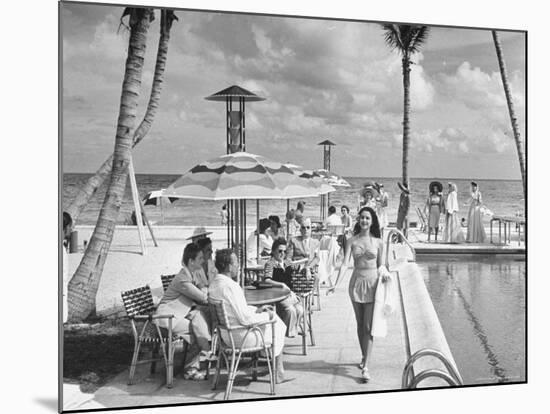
{"x": 480, "y": 303}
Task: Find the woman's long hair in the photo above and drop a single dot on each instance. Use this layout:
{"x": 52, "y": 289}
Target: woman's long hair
{"x": 374, "y": 227}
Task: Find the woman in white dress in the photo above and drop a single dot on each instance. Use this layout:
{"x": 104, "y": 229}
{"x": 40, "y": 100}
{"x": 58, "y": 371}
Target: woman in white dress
{"x": 381, "y": 204}
{"x": 453, "y": 229}
{"x": 476, "y": 231}
{"x": 253, "y": 256}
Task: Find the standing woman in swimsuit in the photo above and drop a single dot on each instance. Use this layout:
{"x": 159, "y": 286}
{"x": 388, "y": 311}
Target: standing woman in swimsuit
{"x": 366, "y": 247}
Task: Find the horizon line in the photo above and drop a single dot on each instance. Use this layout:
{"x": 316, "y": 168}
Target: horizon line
{"x": 345, "y": 176}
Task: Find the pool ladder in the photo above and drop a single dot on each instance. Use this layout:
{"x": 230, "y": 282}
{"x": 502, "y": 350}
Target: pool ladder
{"x": 409, "y": 381}
{"x": 402, "y": 237}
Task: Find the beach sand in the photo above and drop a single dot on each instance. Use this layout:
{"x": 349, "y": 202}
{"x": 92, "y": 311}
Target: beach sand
{"x": 126, "y": 268}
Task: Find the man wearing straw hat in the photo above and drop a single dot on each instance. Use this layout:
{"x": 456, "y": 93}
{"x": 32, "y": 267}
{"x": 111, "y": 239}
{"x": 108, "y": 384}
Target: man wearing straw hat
{"x": 199, "y": 233}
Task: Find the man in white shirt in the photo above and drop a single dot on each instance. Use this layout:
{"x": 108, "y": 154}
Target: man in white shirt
{"x": 224, "y": 288}
{"x": 333, "y": 219}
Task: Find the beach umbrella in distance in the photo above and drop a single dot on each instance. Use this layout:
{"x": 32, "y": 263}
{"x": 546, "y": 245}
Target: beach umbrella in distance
{"x": 332, "y": 178}
{"x": 157, "y": 198}
{"x": 319, "y": 181}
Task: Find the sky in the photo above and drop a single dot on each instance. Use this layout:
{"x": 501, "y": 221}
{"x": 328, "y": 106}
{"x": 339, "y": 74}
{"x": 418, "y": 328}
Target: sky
{"x": 322, "y": 79}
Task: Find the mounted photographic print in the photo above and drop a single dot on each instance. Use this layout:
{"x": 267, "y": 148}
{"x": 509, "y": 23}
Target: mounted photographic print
{"x": 263, "y": 206}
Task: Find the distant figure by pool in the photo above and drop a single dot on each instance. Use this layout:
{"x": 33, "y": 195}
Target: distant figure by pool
{"x": 476, "y": 231}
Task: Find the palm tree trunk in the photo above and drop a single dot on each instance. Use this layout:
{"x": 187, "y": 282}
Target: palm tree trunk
{"x": 513, "y": 119}
{"x": 83, "y": 286}
{"x": 406, "y": 111}
{"x": 86, "y": 192}
{"x": 403, "y": 210}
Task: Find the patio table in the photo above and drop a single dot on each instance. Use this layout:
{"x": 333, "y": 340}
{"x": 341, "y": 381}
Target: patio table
{"x": 267, "y": 296}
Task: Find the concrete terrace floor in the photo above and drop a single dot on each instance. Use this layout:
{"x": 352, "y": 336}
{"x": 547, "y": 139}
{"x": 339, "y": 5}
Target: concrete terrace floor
{"x": 330, "y": 367}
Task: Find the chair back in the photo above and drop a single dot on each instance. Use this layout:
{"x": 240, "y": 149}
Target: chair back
{"x": 166, "y": 280}
{"x": 219, "y": 314}
{"x": 423, "y": 219}
{"x": 300, "y": 283}
{"x": 138, "y": 301}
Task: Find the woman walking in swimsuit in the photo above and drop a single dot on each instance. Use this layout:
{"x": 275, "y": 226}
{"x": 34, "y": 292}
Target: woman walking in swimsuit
{"x": 366, "y": 247}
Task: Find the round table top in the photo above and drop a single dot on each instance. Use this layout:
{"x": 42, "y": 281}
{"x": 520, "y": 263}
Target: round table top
{"x": 266, "y": 296}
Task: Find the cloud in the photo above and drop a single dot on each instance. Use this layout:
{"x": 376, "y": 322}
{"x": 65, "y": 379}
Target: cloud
{"x": 478, "y": 89}
{"x": 321, "y": 79}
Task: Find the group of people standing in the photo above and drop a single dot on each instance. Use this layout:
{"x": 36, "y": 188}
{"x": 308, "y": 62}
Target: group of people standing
{"x": 436, "y": 205}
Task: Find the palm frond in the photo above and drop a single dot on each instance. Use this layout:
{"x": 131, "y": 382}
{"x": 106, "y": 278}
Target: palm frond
{"x": 420, "y": 37}
{"x": 405, "y": 38}
{"x": 392, "y": 37}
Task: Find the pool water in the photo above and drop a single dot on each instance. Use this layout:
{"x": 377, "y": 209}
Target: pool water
{"x": 481, "y": 306}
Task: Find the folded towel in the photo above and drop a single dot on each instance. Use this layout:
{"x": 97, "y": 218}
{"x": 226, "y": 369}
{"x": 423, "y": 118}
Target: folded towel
{"x": 384, "y": 304}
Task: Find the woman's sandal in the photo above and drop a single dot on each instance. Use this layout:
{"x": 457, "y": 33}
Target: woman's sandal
{"x": 194, "y": 374}
{"x": 365, "y": 375}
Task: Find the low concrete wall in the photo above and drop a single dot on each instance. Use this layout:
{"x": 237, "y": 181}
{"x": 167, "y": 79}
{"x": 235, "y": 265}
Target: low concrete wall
{"x": 422, "y": 326}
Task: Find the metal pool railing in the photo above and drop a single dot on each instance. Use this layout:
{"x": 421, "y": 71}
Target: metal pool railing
{"x": 398, "y": 236}
{"x": 409, "y": 381}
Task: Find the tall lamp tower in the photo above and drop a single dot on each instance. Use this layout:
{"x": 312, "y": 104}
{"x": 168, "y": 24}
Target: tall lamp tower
{"x": 325, "y": 199}
{"x": 235, "y": 99}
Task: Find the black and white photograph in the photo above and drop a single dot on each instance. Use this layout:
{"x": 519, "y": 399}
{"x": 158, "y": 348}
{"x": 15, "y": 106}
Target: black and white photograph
{"x": 264, "y": 207}
{"x": 257, "y": 206}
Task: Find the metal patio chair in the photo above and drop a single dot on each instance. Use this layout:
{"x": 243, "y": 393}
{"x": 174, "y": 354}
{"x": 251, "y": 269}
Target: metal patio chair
{"x": 231, "y": 353}
{"x": 166, "y": 280}
{"x": 140, "y": 309}
{"x": 303, "y": 288}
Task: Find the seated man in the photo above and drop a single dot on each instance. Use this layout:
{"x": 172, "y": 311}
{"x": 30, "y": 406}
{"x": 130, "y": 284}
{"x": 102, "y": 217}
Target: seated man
{"x": 223, "y": 287}
{"x": 304, "y": 247}
{"x": 187, "y": 298}
{"x": 278, "y": 273}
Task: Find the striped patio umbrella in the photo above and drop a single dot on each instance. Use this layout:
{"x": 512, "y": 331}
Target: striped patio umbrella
{"x": 318, "y": 179}
{"x": 238, "y": 177}
{"x": 333, "y": 179}
{"x": 243, "y": 176}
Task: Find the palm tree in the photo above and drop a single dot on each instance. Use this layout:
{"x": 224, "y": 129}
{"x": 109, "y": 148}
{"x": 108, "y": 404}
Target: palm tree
{"x": 407, "y": 39}
{"x": 83, "y": 286}
{"x": 513, "y": 119}
{"x": 85, "y": 193}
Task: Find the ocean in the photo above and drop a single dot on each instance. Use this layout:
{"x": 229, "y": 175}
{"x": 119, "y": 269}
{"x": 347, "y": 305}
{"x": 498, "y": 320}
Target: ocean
{"x": 502, "y": 197}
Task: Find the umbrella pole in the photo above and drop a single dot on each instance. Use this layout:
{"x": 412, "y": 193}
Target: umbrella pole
{"x": 258, "y": 231}
{"x": 245, "y": 253}
{"x": 287, "y": 221}
{"x": 228, "y": 224}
